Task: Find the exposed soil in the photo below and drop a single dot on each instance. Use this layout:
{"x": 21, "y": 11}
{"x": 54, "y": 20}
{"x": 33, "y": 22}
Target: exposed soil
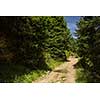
{"x": 65, "y": 73}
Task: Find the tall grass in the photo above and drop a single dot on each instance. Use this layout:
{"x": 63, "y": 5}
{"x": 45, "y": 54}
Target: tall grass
{"x": 29, "y": 77}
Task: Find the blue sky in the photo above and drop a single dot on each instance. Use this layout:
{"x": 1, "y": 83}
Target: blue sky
{"x": 71, "y": 22}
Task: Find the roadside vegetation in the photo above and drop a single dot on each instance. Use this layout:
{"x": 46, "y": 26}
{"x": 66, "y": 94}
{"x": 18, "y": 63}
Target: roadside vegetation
{"x": 31, "y": 46}
{"x": 88, "y": 49}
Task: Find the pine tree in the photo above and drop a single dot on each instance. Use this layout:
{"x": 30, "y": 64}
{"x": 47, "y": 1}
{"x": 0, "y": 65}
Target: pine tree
{"x": 88, "y": 50}
{"x": 25, "y": 39}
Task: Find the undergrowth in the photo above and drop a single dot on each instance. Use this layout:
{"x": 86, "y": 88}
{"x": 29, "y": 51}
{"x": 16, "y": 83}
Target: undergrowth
{"x": 35, "y": 74}
{"x": 81, "y": 76}
{"x": 10, "y": 73}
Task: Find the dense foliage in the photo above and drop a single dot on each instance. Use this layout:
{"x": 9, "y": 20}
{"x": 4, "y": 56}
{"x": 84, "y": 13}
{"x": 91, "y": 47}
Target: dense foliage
{"x": 89, "y": 47}
{"x": 26, "y": 40}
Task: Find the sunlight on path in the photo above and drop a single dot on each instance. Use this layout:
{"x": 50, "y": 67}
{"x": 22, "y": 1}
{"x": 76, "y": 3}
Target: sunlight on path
{"x": 65, "y": 73}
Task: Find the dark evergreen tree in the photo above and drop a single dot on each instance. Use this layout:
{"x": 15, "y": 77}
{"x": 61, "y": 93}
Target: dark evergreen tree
{"x": 89, "y": 46}
{"x": 25, "y": 39}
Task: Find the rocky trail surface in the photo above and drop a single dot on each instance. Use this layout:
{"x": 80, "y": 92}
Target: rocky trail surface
{"x": 64, "y": 73}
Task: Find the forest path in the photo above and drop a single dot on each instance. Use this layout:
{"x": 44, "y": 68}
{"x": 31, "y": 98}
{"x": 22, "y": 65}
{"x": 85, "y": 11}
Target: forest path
{"x": 64, "y": 73}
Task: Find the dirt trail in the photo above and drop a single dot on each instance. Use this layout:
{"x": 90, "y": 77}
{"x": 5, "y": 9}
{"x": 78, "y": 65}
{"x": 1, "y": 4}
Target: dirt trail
{"x": 65, "y": 73}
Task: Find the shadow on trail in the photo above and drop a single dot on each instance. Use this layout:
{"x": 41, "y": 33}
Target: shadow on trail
{"x": 75, "y": 65}
{"x": 61, "y": 71}
{"x": 68, "y": 60}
